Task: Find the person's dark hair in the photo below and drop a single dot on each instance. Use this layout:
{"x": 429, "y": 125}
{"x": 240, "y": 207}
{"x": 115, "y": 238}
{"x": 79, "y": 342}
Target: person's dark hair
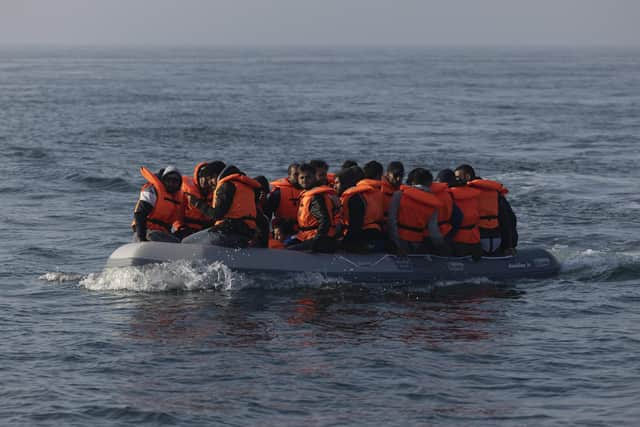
{"x": 229, "y": 170}
{"x": 348, "y": 177}
{"x": 319, "y": 164}
{"x": 422, "y": 176}
{"x": 373, "y": 170}
{"x": 358, "y": 173}
{"x": 447, "y": 176}
{"x": 264, "y": 183}
{"x": 349, "y": 163}
{"x": 307, "y": 167}
{"x": 395, "y": 168}
{"x": 411, "y": 176}
{"x": 216, "y": 167}
{"x": 467, "y": 170}
{"x": 292, "y": 166}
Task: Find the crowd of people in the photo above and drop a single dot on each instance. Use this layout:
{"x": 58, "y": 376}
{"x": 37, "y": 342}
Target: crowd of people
{"x": 358, "y": 209}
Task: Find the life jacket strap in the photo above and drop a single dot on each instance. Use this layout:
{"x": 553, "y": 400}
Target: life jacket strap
{"x": 160, "y": 223}
{"x": 407, "y": 227}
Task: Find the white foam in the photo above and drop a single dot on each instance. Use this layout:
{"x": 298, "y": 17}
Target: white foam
{"x": 60, "y": 277}
{"x": 180, "y": 275}
{"x": 596, "y": 261}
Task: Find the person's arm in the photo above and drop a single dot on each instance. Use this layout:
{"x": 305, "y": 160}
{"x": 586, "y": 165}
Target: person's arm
{"x": 272, "y": 203}
{"x": 507, "y": 221}
{"x": 434, "y": 229}
{"x": 392, "y": 223}
{"x": 224, "y": 199}
{"x": 456, "y": 219}
{"x": 356, "y": 216}
{"x": 146, "y": 203}
{"x": 320, "y": 212}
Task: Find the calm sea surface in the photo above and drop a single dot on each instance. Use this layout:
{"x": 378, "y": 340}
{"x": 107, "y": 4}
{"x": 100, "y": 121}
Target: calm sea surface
{"x": 180, "y": 344}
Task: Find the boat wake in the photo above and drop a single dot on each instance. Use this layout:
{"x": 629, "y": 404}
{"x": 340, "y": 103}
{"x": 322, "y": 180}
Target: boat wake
{"x": 595, "y": 265}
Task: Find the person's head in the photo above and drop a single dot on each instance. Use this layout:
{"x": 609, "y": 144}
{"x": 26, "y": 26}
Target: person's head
{"x": 447, "y": 176}
{"x": 373, "y": 170}
{"x": 307, "y": 176}
{"x": 346, "y": 179}
{"x": 227, "y": 171}
{"x": 205, "y": 176}
{"x": 348, "y": 163}
{"x": 171, "y": 179}
{"x": 423, "y": 177}
{"x": 292, "y": 174}
{"x": 321, "y": 168}
{"x": 215, "y": 168}
{"x": 395, "y": 173}
{"x": 411, "y": 176}
{"x": 465, "y": 173}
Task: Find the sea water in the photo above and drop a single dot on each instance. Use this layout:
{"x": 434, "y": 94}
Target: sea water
{"x": 185, "y": 343}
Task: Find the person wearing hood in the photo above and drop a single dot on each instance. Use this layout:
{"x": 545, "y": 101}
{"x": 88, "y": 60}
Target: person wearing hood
{"x": 201, "y": 186}
{"x": 160, "y": 207}
{"x": 233, "y": 211}
{"x": 413, "y": 216}
{"x": 361, "y": 211}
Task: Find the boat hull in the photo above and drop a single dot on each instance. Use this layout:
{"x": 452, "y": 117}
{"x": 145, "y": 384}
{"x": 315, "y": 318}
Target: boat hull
{"x": 528, "y": 263}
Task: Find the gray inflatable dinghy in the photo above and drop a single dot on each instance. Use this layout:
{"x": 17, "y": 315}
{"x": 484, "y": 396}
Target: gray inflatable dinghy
{"x": 528, "y": 263}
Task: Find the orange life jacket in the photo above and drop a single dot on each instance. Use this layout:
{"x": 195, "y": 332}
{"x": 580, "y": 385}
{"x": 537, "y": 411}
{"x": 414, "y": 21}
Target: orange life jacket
{"x": 243, "y": 206}
{"x": 488, "y": 201}
{"x": 307, "y": 223}
{"x": 169, "y": 208}
{"x": 289, "y": 199}
{"x": 415, "y": 210}
{"x": 193, "y": 217}
{"x": 373, "y": 206}
{"x": 441, "y": 191}
{"x": 466, "y": 199}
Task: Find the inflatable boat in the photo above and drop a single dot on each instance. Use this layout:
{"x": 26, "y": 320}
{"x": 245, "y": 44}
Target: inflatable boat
{"x": 349, "y": 267}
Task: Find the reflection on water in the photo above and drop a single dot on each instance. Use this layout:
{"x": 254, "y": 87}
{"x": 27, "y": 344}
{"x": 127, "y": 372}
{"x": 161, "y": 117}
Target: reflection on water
{"x": 345, "y": 313}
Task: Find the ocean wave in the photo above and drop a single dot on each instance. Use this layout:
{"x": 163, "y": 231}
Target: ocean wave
{"x": 102, "y": 183}
{"x": 591, "y": 264}
{"x": 61, "y": 277}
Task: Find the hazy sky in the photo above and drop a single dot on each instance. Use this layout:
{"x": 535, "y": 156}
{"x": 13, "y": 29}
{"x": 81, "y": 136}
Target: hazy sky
{"x": 321, "y": 22}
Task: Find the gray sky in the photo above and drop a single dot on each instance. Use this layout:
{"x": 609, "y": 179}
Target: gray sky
{"x": 321, "y": 22}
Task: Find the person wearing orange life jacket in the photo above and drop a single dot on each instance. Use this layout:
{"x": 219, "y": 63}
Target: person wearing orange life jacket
{"x": 466, "y": 240}
{"x": 498, "y": 233}
{"x": 282, "y": 201}
{"x": 316, "y": 215}
{"x": 160, "y": 206}
{"x": 201, "y": 186}
{"x": 413, "y": 216}
{"x": 390, "y": 183}
{"x": 233, "y": 211}
{"x": 361, "y": 212}
{"x": 323, "y": 177}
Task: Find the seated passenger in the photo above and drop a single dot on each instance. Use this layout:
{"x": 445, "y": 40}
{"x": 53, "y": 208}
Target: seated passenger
{"x": 262, "y": 221}
{"x": 200, "y": 185}
{"x": 323, "y": 177}
{"x": 159, "y": 207}
{"x": 316, "y": 215}
{"x": 391, "y": 182}
{"x": 282, "y": 201}
{"x": 497, "y": 224}
{"x": 413, "y": 216}
{"x": 361, "y": 212}
{"x": 233, "y": 211}
{"x": 411, "y": 176}
{"x": 466, "y": 241}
